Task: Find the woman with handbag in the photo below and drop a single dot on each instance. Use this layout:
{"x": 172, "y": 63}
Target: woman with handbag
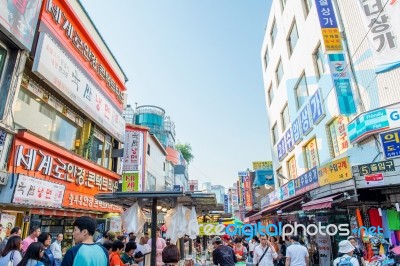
{"x": 265, "y": 253}
{"x": 11, "y": 254}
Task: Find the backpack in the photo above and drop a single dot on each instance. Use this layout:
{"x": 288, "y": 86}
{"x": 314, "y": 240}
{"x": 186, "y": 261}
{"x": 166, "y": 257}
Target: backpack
{"x": 345, "y": 261}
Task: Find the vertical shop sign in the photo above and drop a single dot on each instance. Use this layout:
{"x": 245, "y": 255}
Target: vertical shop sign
{"x": 132, "y": 156}
{"x": 292, "y": 168}
{"x": 305, "y": 121}
{"x": 312, "y": 154}
{"x": 289, "y": 140}
{"x": 281, "y": 149}
{"x": 342, "y": 81}
{"x": 20, "y": 18}
{"x": 3, "y": 153}
{"x": 130, "y": 182}
{"x": 391, "y": 143}
{"x": 324, "y": 248}
{"x": 382, "y": 23}
{"x": 339, "y": 136}
{"x": 296, "y": 131}
{"x": 329, "y": 26}
{"x": 316, "y": 108}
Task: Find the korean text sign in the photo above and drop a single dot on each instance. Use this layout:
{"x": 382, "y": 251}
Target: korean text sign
{"x": 335, "y": 171}
{"x": 391, "y": 143}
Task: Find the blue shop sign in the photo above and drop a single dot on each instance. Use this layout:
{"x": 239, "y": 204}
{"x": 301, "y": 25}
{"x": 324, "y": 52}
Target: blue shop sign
{"x": 307, "y": 181}
{"x": 281, "y": 149}
{"x": 287, "y": 190}
{"x": 296, "y": 131}
{"x": 289, "y": 140}
{"x": 391, "y": 143}
{"x": 316, "y": 108}
{"x": 305, "y": 121}
{"x": 367, "y": 124}
{"x": 326, "y": 14}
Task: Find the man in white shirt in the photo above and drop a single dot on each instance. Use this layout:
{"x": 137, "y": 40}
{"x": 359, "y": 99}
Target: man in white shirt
{"x": 55, "y": 248}
{"x": 346, "y": 248}
{"x": 253, "y": 243}
{"x": 296, "y": 254}
{"x": 270, "y": 253}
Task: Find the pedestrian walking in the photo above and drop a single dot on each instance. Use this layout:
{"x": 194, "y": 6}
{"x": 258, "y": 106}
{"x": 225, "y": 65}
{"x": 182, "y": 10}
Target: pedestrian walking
{"x": 86, "y": 252}
{"x": 34, "y": 232}
{"x": 347, "y": 259}
{"x": 223, "y": 255}
{"x": 265, "y": 253}
{"x": 12, "y": 251}
{"x": 33, "y": 255}
{"x": 160, "y": 245}
{"x": 115, "y": 259}
{"x": 239, "y": 249}
{"x": 296, "y": 254}
{"x": 358, "y": 253}
{"x": 48, "y": 257}
{"x": 56, "y": 249}
{"x": 16, "y": 231}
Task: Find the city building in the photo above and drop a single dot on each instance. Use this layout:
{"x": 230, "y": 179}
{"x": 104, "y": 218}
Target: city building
{"x": 330, "y": 72}
{"x": 67, "y": 117}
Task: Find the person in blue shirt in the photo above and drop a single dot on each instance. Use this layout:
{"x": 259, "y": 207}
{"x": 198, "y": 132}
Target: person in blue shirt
{"x": 48, "y": 257}
{"x": 86, "y": 252}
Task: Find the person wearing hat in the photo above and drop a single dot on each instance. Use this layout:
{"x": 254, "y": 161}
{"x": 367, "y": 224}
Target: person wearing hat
{"x": 347, "y": 249}
{"x": 358, "y": 253}
{"x": 222, "y": 255}
{"x": 227, "y": 241}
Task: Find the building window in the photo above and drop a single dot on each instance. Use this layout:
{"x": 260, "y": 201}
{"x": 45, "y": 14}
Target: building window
{"x": 307, "y": 5}
{"x": 338, "y": 135}
{"x": 283, "y": 3}
{"x": 292, "y": 38}
{"x": 279, "y": 72}
{"x": 311, "y": 153}
{"x": 275, "y": 135}
{"x": 270, "y": 94}
{"x": 148, "y": 149}
{"x": 301, "y": 90}
{"x": 107, "y": 152}
{"x": 96, "y": 151}
{"x": 273, "y": 33}
{"x": 319, "y": 61}
{"x": 48, "y": 122}
{"x": 292, "y": 170}
{"x": 266, "y": 58}
{"x": 285, "y": 117}
{"x": 279, "y": 173}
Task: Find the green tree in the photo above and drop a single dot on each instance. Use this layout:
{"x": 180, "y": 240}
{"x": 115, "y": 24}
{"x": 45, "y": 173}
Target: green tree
{"x": 186, "y": 151}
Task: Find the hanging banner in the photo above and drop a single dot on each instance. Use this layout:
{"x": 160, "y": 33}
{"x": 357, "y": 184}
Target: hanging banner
{"x": 130, "y": 182}
{"x": 382, "y": 25}
{"x": 132, "y": 155}
{"x": 329, "y": 26}
{"x": 342, "y": 81}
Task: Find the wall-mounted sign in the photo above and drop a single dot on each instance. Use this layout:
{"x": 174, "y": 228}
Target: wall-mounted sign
{"x": 374, "y": 180}
{"x": 334, "y": 172}
{"x": 342, "y": 81}
{"x": 287, "y": 190}
{"x": 296, "y": 131}
{"x": 20, "y": 19}
{"x": 391, "y": 143}
{"x": 133, "y": 156}
{"x": 311, "y": 152}
{"x": 382, "y": 36}
{"x": 316, "y": 108}
{"x": 262, "y": 165}
{"x": 37, "y": 192}
{"x": 289, "y": 140}
{"x": 339, "y": 136}
{"x": 52, "y": 63}
{"x": 377, "y": 167}
{"x": 281, "y": 149}
{"x": 292, "y": 169}
{"x": 329, "y": 26}
{"x": 130, "y": 182}
{"x": 305, "y": 122}
{"x": 5, "y": 142}
{"x": 307, "y": 181}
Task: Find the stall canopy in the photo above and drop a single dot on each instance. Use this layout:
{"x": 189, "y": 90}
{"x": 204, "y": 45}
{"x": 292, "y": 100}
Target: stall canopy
{"x": 319, "y": 204}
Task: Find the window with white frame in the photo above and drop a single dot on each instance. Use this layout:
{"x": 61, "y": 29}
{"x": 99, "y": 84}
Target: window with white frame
{"x": 279, "y": 72}
{"x": 307, "y": 5}
{"x": 285, "y": 117}
{"x": 270, "y": 94}
{"x": 283, "y": 4}
{"x": 273, "y": 33}
{"x": 301, "y": 91}
{"x": 319, "y": 61}
{"x": 266, "y": 58}
{"x": 275, "y": 134}
{"x": 292, "y": 38}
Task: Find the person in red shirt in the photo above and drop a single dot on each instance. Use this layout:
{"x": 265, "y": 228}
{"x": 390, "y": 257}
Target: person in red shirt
{"x": 115, "y": 259}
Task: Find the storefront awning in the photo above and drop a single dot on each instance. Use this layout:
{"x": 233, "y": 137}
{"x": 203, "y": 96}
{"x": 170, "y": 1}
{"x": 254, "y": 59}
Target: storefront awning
{"x": 323, "y": 203}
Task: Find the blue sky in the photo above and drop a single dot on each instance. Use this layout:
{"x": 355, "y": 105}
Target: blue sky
{"x": 200, "y": 61}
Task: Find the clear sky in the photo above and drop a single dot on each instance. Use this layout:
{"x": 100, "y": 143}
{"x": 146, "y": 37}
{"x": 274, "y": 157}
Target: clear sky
{"x": 200, "y": 61}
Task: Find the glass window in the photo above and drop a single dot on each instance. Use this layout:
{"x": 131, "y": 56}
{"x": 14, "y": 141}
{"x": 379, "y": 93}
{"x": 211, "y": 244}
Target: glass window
{"x": 291, "y": 165}
{"x": 47, "y": 122}
{"x": 275, "y": 135}
{"x": 270, "y": 94}
{"x": 3, "y": 57}
{"x": 285, "y": 117}
{"x": 107, "y": 152}
{"x": 96, "y": 151}
{"x": 292, "y": 39}
{"x": 308, "y": 4}
{"x": 279, "y": 73}
{"x": 273, "y": 33}
{"x": 319, "y": 61}
{"x": 301, "y": 91}
{"x": 311, "y": 153}
{"x": 266, "y": 58}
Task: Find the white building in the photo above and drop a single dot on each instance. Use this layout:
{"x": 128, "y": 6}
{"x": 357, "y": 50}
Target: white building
{"x": 155, "y": 164}
{"x": 295, "y": 66}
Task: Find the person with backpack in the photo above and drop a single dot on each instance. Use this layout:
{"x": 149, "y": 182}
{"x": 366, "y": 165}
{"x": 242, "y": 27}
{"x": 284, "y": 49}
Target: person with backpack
{"x": 347, "y": 259}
